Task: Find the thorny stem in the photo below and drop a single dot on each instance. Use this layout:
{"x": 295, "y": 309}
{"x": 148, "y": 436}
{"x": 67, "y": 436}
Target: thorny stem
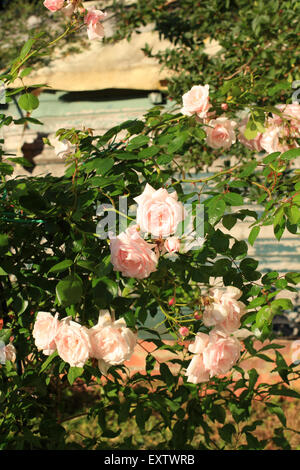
{"x": 209, "y": 178}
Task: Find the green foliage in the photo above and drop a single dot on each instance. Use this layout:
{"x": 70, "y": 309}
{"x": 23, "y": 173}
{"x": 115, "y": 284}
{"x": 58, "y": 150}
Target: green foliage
{"x": 256, "y": 62}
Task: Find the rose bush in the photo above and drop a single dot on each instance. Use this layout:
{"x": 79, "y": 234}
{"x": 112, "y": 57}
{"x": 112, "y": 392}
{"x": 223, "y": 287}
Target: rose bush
{"x": 76, "y": 306}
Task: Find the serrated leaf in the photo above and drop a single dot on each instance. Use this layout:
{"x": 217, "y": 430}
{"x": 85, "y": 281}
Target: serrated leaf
{"x": 234, "y": 199}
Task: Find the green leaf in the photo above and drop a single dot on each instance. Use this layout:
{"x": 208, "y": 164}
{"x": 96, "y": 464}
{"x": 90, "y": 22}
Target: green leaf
{"x": 239, "y": 248}
{"x": 283, "y": 392}
{"x": 101, "y": 165}
{"x": 26, "y": 48}
{"x": 278, "y": 411}
{"x": 257, "y": 302}
{"x": 177, "y": 143}
{"x": 229, "y": 221}
{"x": 271, "y": 158}
{"x": 264, "y": 316}
{"x": 248, "y": 264}
{"x": 217, "y": 413}
{"x": 28, "y": 102}
{"x": 140, "y": 417}
{"x": 62, "y": 266}
{"x": 69, "y": 290}
{"x": 149, "y": 152}
{"x": 248, "y": 169}
{"x": 216, "y": 208}
{"x": 25, "y": 72}
{"x": 219, "y": 241}
{"x": 290, "y": 154}
{"x": 166, "y": 375}
{"x": 253, "y": 234}
{"x": 234, "y": 199}
{"x": 3, "y": 242}
{"x": 5, "y": 334}
{"x": 281, "y": 304}
{"x": 293, "y": 214}
{"x": 137, "y": 142}
{"x": 253, "y": 376}
{"x": 269, "y": 277}
{"x": 48, "y": 361}
{"x": 293, "y": 277}
{"x": 226, "y": 432}
{"x": 74, "y": 373}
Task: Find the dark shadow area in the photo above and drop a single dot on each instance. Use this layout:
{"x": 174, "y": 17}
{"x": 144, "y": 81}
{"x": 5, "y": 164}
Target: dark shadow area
{"x": 109, "y": 94}
{"x": 32, "y": 149}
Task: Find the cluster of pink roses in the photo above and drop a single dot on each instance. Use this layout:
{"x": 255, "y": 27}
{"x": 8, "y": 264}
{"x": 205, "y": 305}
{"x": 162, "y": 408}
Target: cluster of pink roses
{"x": 280, "y": 132}
{"x": 92, "y": 18}
{"x": 158, "y": 214}
{"x": 110, "y": 342}
{"x": 217, "y": 352}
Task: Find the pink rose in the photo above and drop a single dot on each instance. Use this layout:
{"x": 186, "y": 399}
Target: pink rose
{"x": 73, "y": 343}
{"x": 196, "y": 372}
{"x": 95, "y": 29}
{"x": 200, "y": 343}
{"x": 112, "y": 342}
{"x": 274, "y": 139}
{"x": 159, "y": 212}
{"x": 132, "y": 255}
{"x": 196, "y": 101}
{"x": 225, "y": 310}
{"x": 172, "y": 244}
{"x": 220, "y": 133}
{"x": 54, "y": 5}
{"x": 221, "y": 353}
{"x": 252, "y": 144}
{"x": 291, "y": 112}
{"x": 282, "y": 131}
{"x": 44, "y": 332}
{"x": 10, "y": 352}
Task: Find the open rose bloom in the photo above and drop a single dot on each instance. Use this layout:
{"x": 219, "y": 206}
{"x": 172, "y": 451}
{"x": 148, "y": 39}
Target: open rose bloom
{"x": 132, "y": 255}
{"x": 159, "y": 212}
{"x": 217, "y": 352}
{"x": 224, "y": 310}
{"x": 112, "y": 343}
{"x": 44, "y": 332}
{"x": 73, "y": 343}
{"x": 214, "y": 354}
{"x": 220, "y": 133}
{"x": 282, "y": 131}
{"x": 196, "y": 101}
{"x": 95, "y": 29}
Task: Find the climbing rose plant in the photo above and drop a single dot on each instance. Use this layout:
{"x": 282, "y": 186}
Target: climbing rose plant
{"x": 77, "y": 306}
